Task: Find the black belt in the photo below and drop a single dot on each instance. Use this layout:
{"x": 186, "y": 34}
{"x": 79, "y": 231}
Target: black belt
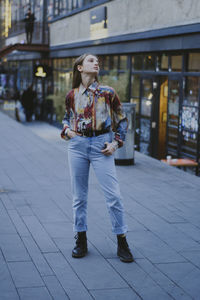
{"x": 91, "y": 133}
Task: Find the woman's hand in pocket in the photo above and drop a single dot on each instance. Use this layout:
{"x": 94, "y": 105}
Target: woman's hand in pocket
{"x": 71, "y": 134}
{"x": 110, "y": 148}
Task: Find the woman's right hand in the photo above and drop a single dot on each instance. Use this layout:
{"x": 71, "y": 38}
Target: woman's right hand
{"x": 71, "y": 134}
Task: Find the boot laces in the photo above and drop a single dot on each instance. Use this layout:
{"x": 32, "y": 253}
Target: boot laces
{"x": 79, "y": 239}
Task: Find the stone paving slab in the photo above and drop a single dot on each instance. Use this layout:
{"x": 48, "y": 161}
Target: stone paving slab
{"x": 162, "y": 207}
{"x": 34, "y": 293}
{"x": 7, "y": 288}
{"x": 184, "y": 275}
{"x": 55, "y": 288}
{"x": 25, "y": 274}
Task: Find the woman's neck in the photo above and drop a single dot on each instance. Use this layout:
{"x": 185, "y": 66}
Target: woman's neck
{"x": 87, "y": 79}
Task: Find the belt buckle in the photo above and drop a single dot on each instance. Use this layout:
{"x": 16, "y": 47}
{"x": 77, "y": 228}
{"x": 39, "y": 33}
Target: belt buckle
{"x": 85, "y": 134}
{"x": 88, "y": 133}
{"x": 91, "y": 133}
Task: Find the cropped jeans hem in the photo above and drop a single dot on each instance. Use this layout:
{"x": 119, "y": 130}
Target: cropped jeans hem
{"x": 120, "y": 230}
{"x": 80, "y": 228}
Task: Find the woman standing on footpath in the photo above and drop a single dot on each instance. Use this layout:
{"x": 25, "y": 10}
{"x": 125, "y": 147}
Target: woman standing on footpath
{"x": 92, "y": 113}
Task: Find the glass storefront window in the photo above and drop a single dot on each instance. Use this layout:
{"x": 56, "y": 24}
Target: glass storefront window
{"x": 56, "y": 7}
{"x": 63, "y": 7}
{"x": 63, "y": 63}
{"x": 147, "y": 89}
{"x": 69, "y": 63}
{"x": 173, "y": 116}
{"x": 189, "y": 118}
{"x": 136, "y": 101}
{"x": 176, "y": 63}
{"x": 119, "y": 82}
{"x": 25, "y": 74}
{"x": 50, "y": 10}
{"x": 189, "y": 143}
{"x": 194, "y": 62}
{"x": 146, "y": 107}
{"x": 149, "y": 62}
{"x": 192, "y": 85}
{"x": 137, "y": 62}
{"x": 114, "y": 62}
{"x": 135, "y": 86}
{"x": 163, "y": 62}
{"x": 123, "y": 62}
{"x": 62, "y": 76}
{"x": 145, "y": 119}
{"x": 105, "y": 63}
{"x": 55, "y": 63}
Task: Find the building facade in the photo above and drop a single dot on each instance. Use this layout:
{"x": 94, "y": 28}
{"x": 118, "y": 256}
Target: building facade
{"x": 149, "y": 52}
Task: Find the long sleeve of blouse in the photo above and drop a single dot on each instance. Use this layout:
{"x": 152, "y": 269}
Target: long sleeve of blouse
{"x": 95, "y": 108}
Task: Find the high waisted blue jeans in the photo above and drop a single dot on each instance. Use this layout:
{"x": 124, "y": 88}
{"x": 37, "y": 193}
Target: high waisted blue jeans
{"x": 82, "y": 152}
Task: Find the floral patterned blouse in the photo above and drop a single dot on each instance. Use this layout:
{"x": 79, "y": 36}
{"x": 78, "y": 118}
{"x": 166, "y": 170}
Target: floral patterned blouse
{"x": 95, "y": 108}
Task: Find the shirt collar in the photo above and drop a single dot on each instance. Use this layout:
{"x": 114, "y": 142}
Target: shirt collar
{"x": 92, "y": 87}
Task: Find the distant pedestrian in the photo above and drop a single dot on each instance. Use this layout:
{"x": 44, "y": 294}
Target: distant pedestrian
{"x": 29, "y": 25}
{"x": 16, "y": 98}
{"x": 93, "y": 111}
{"x": 28, "y": 102}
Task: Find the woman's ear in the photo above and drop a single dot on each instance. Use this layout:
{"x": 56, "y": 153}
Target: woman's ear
{"x": 80, "y": 68}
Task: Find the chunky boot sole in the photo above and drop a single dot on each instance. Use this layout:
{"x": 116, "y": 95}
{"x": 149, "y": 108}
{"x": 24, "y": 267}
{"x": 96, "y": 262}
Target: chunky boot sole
{"x": 126, "y": 260}
{"x": 75, "y": 255}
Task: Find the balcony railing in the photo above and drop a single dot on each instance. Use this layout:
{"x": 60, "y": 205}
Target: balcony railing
{"x": 19, "y": 28}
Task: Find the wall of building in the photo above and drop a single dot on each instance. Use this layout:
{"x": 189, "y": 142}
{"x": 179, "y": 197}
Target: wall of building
{"x": 127, "y": 16}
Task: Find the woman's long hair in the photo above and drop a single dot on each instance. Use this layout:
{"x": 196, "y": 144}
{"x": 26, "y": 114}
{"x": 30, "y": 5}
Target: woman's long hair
{"x": 77, "y": 80}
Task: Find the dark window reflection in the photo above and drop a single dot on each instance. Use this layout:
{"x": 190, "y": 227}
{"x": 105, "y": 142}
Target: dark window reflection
{"x": 137, "y": 62}
{"x": 191, "y": 95}
{"x": 176, "y": 63}
{"x": 162, "y": 62}
{"x": 114, "y": 62}
{"x": 194, "y": 62}
{"x": 149, "y": 62}
{"x": 123, "y": 62}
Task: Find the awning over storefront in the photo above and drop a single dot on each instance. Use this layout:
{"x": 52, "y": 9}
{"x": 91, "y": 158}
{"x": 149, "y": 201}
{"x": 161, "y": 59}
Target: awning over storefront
{"x": 23, "y": 47}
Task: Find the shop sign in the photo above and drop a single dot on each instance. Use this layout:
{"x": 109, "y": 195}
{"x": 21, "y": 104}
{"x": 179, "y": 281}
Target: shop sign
{"x": 98, "y": 23}
{"x": 40, "y": 72}
{"x": 6, "y": 16}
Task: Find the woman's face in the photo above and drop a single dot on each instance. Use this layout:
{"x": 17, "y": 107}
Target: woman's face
{"x": 90, "y": 65}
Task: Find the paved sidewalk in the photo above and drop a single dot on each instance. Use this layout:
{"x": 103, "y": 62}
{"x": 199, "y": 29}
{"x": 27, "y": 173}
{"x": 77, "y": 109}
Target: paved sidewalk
{"x": 162, "y": 207}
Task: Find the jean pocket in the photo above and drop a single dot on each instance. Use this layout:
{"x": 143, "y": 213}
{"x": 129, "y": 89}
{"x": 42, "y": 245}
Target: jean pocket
{"x": 108, "y": 138}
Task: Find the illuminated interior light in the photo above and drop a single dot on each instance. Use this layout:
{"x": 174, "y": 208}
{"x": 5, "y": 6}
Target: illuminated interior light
{"x": 150, "y": 96}
{"x": 148, "y": 102}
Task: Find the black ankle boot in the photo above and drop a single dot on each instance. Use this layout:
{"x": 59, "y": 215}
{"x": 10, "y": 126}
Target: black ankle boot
{"x": 123, "y": 250}
{"x": 80, "y": 249}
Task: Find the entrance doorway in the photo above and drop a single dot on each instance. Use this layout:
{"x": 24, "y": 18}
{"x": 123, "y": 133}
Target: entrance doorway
{"x": 175, "y": 95}
{"x": 162, "y": 126}
{"x": 159, "y": 113}
{"x": 148, "y": 120}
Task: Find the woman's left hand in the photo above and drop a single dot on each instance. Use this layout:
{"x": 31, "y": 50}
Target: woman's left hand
{"x": 109, "y": 148}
